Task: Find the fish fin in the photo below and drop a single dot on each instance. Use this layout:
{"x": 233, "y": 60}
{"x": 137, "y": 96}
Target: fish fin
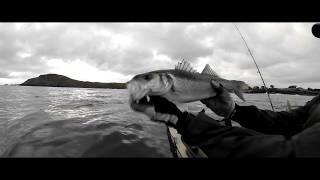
{"x": 185, "y": 66}
{"x": 208, "y": 70}
{"x": 240, "y": 95}
{"x": 238, "y": 86}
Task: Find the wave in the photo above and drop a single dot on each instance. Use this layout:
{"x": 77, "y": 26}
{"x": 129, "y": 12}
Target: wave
{"x": 81, "y": 104}
{"x": 17, "y": 128}
{"x": 70, "y": 139}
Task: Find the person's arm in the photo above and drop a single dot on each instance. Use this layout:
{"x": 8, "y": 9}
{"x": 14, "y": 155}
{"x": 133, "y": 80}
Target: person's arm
{"x": 265, "y": 121}
{"x": 222, "y": 141}
{"x": 286, "y": 123}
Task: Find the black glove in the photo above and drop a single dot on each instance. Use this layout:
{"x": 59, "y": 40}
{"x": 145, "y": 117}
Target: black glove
{"x": 158, "y": 109}
{"x": 222, "y": 104}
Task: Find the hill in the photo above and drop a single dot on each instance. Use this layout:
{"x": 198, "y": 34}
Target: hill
{"x": 56, "y": 80}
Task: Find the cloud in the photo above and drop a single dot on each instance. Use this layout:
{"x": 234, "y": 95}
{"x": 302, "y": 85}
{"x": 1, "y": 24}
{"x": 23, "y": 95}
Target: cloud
{"x": 286, "y": 53}
{"x": 4, "y": 75}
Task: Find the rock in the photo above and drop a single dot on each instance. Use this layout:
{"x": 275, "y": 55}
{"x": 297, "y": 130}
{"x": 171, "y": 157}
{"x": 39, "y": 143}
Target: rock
{"x": 56, "y": 80}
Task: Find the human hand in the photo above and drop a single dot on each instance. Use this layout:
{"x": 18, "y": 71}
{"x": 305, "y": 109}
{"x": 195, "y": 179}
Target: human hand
{"x": 158, "y": 109}
{"x": 222, "y": 104}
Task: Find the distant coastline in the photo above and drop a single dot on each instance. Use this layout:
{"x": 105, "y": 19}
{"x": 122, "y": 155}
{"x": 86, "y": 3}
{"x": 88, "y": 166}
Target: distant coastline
{"x": 56, "y": 80}
{"x": 293, "y": 90}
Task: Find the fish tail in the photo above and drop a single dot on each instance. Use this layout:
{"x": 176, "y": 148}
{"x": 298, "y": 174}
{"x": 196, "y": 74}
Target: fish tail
{"x": 238, "y": 87}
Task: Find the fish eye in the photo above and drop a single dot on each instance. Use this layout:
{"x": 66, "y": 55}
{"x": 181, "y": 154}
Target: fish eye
{"x": 148, "y": 77}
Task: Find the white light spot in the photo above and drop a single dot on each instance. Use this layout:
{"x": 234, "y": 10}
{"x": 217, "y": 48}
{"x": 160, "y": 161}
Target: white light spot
{"x": 24, "y": 54}
{"x": 161, "y": 57}
{"x": 80, "y": 70}
{"x": 121, "y": 40}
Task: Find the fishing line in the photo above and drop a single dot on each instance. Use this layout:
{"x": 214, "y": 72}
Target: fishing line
{"x": 245, "y": 42}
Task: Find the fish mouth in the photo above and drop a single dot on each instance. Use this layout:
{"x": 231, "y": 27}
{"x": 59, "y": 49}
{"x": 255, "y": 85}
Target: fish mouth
{"x": 143, "y": 97}
{"x": 137, "y": 93}
{"x": 143, "y": 100}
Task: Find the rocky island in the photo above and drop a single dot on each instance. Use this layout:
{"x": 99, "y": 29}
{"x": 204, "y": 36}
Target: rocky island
{"x": 56, "y": 80}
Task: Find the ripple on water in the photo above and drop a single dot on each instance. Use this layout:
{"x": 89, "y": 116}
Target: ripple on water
{"x": 42, "y": 133}
{"x": 135, "y": 126}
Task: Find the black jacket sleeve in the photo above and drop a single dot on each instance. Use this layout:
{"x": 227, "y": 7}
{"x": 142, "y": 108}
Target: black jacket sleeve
{"x": 217, "y": 140}
{"x": 222, "y": 141}
{"x": 236, "y": 142}
{"x": 269, "y": 122}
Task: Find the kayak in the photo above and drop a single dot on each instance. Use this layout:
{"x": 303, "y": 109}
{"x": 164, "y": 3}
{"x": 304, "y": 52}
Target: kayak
{"x": 180, "y": 149}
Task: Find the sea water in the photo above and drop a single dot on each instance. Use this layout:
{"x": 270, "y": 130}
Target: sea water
{"x": 87, "y": 122}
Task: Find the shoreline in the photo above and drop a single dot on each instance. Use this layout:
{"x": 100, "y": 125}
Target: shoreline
{"x": 291, "y": 91}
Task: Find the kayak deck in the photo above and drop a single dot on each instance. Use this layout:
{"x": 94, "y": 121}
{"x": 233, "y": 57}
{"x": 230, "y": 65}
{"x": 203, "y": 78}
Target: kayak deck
{"x": 180, "y": 149}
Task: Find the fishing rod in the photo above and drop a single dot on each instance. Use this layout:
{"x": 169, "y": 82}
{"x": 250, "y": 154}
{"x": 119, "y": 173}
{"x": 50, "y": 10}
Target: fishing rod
{"x": 245, "y": 42}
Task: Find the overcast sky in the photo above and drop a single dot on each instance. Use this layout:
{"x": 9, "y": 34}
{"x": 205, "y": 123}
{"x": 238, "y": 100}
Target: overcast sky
{"x": 287, "y": 53}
